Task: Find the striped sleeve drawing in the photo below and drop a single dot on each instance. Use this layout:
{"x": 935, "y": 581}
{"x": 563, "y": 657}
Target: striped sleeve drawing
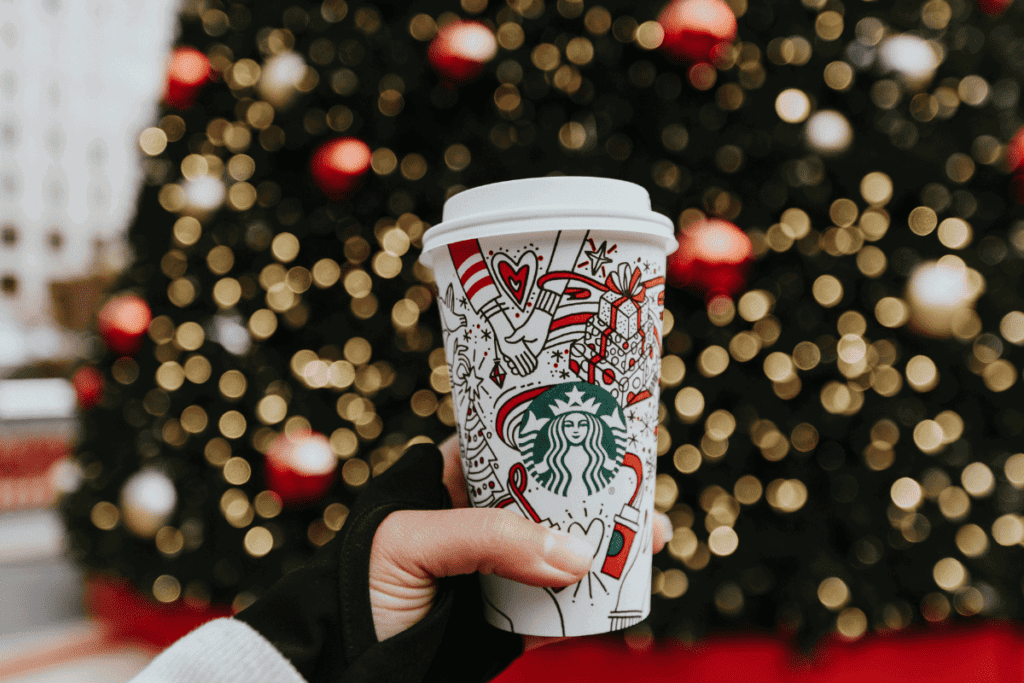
{"x": 474, "y": 276}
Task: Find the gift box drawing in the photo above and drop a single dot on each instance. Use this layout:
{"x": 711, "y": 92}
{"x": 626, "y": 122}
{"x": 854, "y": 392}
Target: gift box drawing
{"x": 616, "y": 340}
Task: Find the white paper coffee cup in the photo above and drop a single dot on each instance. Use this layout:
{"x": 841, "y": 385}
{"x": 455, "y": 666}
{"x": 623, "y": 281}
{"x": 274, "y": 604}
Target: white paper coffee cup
{"x": 551, "y": 298}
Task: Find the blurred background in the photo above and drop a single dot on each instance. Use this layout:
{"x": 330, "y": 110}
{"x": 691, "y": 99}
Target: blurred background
{"x": 214, "y": 330}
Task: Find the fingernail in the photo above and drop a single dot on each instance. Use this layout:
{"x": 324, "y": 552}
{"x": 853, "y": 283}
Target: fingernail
{"x": 568, "y": 553}
{"x": 666, "y": 525}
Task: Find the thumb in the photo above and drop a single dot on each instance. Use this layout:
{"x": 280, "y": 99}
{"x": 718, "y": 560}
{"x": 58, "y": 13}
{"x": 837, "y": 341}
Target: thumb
{"x": 438, "y": 543}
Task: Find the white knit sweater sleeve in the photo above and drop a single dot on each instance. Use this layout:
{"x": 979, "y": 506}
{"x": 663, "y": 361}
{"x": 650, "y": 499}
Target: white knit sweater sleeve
{"x": 221, "y": 651}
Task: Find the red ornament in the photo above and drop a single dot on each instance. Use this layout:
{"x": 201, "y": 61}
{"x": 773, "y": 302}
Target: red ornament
{"x": 123, "y": 322}
{"x": 88, "y": 384}
{"x": 338, "y": 165}
{"x": 712, "y": 259}
{"x": 994, "y": 7}
{"x": 459, "y": 51}
{"x": 697, "y": 30}
{"x": 1015, "y": 152}
{"x": 300, "y": 468}
{"x": 188, "y": 73}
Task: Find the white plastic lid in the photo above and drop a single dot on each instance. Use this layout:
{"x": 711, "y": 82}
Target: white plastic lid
{"x": 548, "y": 197}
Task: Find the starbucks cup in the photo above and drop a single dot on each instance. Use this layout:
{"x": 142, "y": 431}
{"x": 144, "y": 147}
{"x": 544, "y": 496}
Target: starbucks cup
{"x": 551, "y": 294}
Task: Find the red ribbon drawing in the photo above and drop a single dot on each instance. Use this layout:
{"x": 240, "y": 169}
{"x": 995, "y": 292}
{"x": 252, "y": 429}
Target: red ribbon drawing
{"x": 633, "y": 462}
{"x": 509, "y": 406}
{"x": 632, "y": 398}
{"x": 566, "y": 275}
{"x": 566, "y": 321}
{"x": 517, "y": 485}
{"x": 590, "y": 282}
{"x": 616, "y": 282}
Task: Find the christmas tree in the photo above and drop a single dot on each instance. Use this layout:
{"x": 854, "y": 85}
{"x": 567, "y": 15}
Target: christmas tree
{"x": 483, "y": 486}
{"x": 837, "y": 425}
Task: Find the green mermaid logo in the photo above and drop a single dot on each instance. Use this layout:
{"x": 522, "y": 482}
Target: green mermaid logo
{"x": 572, "y": 439}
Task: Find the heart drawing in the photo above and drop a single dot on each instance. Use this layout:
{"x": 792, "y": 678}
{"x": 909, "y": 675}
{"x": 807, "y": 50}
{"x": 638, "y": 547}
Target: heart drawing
{"x": 517, "y": 277}
{"x": 593, "y": 533}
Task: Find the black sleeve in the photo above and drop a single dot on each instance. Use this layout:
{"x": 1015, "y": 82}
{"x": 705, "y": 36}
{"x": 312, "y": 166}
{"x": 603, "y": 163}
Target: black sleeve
{"x": 319, "y": 615}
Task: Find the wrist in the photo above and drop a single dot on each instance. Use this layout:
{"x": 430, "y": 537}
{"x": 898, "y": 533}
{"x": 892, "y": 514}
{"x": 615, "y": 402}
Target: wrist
{"x": 547, "y": 301}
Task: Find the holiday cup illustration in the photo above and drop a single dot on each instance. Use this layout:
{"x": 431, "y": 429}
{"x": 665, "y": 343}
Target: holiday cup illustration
{"x": 551, "y": 296}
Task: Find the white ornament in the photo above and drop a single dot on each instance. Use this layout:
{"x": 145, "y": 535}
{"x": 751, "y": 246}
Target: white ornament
{"x": 474, "y": 42}
{"x": 828, "y": 132}
{"x": 280, "y": 79}
{"x": 311, "y": 456}
{"x": 148, "y": 500}
{"x": 912, "y": 58}
{"x": 229, "y": 332}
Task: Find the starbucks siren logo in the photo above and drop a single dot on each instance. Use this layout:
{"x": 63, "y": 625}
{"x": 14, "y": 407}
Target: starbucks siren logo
{"x": 572, "y": 439}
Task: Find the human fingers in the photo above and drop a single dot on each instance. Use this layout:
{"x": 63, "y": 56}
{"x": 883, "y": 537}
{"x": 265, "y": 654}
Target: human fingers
{"x": 662, "y": 535}
{"x": 513, "y": 365}
{"x": 437, "y": 543}
{"x": 528, "y": 360}
{"x": 452, "y": 476}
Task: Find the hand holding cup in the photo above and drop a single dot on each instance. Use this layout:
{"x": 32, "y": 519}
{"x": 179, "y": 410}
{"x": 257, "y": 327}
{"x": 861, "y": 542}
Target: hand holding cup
{"x": 412, "y": 549}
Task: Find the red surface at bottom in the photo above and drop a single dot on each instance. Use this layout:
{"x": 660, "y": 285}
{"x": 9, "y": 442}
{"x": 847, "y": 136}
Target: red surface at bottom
{"x": 989, "y": 653}
{"x": 129, "y": 615}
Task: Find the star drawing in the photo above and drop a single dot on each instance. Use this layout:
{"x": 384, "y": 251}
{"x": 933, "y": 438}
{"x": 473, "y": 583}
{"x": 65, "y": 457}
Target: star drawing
{"x": 598, "y": 258}
{"x": 469, "y": 383}
{"x": 575, "y": 396}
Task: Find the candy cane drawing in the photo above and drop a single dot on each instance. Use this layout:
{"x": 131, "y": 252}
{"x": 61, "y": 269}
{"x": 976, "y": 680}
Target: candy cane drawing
{"x": 517, "y": 487}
